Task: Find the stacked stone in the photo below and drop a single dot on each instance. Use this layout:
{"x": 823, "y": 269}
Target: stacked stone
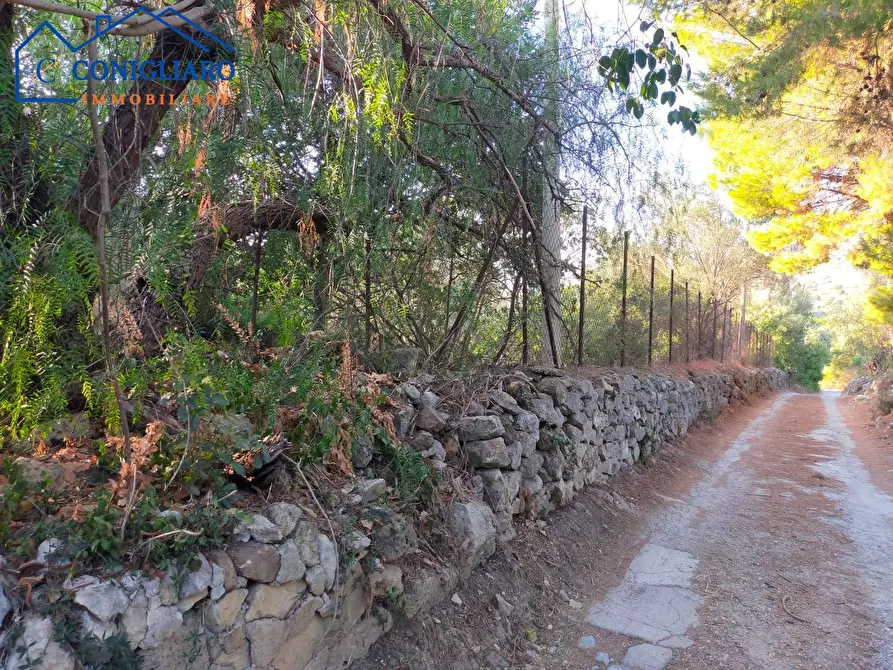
{"x": 279, "y": 595}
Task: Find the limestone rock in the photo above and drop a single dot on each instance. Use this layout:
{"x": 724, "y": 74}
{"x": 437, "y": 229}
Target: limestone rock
{"x": 362, "y": 450}
{"x": 490, "y": 453}
{"x": 228, "y": 571}
{"x": 263, "y": 530}
{"x": 285, "y": 516}
{"x": 306, "y": 538}
{"x": 161, "y": 623}
{"x": 222, "y": 614}
{"x": 196, "y": 581}
{"x": 394, "y": 536}
{"x": 255, "y": 561}
{"x": 328, "y": 559}
{"x": 386, "y": 581}
{"x": 370, "y": 490}
{"x": 506, "y": 402}
{"x": 97, "y": 628}
{"x": 429, "y": 399}
{"x": 476, "y": 428}
{"x": 265, "y": 636}
{"x": 532, "y": 464}
{"x": 422, "y": 440}
{"x": 474, "y": 533}
{"x": 265, "y": 600}
{"x": 134, "y": 622}
{"x": 316, "y": 580}
{"x": 291, "y": 567}
{"x": 34, "y": 471}
{"x": 431, "y": 420}
{"x": 527, "y": 422}
{"x": 103, "y": 600}
{"x": 43, "y": 652}
{"x": 355, "y": 542}
{"x": 426, "y": 589}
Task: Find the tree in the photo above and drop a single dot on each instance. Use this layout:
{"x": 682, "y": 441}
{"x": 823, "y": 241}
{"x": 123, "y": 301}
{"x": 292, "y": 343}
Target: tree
{"x": 800, "y": 118}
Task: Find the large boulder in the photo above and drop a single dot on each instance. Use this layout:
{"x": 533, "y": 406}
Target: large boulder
{"x": 474, "y": 534}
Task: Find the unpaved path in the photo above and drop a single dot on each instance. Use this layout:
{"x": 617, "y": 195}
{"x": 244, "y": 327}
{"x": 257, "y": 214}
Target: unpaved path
{"x": 765, "y": 541}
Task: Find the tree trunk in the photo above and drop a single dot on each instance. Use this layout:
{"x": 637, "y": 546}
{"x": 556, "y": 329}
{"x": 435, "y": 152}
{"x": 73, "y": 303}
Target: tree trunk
{"x": 550, "y": 230}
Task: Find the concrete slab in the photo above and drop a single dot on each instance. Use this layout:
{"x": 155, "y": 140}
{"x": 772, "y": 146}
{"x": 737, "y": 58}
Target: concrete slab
{"x": 651, "y": 613}
{"x": 647, "y": 657}
{"x": 659, "y": 566}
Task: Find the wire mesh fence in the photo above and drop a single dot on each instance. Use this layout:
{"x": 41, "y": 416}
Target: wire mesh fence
{"x": 633, "y": 309}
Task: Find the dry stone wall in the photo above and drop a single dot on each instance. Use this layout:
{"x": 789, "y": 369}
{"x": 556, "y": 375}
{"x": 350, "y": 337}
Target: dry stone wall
{"x": 286, "y": 594}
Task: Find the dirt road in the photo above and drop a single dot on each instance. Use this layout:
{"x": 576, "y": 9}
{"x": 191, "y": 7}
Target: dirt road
{"x": 765, "y": 541}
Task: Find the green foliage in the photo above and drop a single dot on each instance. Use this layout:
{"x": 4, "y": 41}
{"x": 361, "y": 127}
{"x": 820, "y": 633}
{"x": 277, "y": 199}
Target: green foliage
{"x": 110, "y": 653}
{"x": 661, "y": 64}
{"x": 19, "y": 498}
{"x": 415, "y": 481}
{"x": 802, "y": 347}
{"x": 47, "y": 276}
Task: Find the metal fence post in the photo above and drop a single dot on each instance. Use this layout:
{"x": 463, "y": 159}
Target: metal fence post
{"x": 651, "y": 314}
{"x": 713, "y": 332}
{"x": 582, "y": 288}
{"x": 700, "y": 326}
{"x": 672, "y": 295}
{"x": 722, "y": 346}
{"x": 623, "y": 301}
{"x": 687, "y": 327}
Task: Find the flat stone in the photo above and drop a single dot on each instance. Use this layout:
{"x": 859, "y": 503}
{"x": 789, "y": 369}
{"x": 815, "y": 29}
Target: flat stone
{"x": 660, "y": 566}
{"x": 262, "y": 529}
{"x": 222, "y": 614}
{"x": 255, "y": 561}
{"x": 218, "y": 586}
{"x": 187, "y": 603}
{"x": 587, "y": 642}
{"x": 648, "y": 657}
{"x": 265, "y": 600}
{"x": 650, "y": 613}
{"x": 266, "y": 638}
{"x": 677, "y": 642}
{"x": 506, "y": 402}
{"x": 476, "y": 428}
{"x": 355, "y": 542}
{"x": 602, "y": 657}
{"x": 285, "y": 516}
{"x": 161, "y": 623}
{"x": 104, "y": 600}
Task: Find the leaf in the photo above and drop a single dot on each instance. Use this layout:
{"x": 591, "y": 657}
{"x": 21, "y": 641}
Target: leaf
{"x": 652, "y": 62}
{"x": 658, "y": 37}
{"x": 675, "y": 74}
{"x": 668, "y": 98}
{"x": 641, "y": 58}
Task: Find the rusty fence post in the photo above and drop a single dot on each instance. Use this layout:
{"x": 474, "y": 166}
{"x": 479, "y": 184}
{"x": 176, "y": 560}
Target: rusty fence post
{"x": 651, "y": 315}
{"x": 623, "y": 281}
{"x": 700, "y": 326}
{"x": 672, "y": 296}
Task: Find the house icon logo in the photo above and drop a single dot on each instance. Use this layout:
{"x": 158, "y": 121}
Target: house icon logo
{"x": 34, "y": 76}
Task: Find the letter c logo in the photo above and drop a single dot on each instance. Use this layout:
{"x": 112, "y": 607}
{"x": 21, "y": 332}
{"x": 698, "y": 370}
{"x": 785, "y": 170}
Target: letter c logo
{"x": 40, "y": 75}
